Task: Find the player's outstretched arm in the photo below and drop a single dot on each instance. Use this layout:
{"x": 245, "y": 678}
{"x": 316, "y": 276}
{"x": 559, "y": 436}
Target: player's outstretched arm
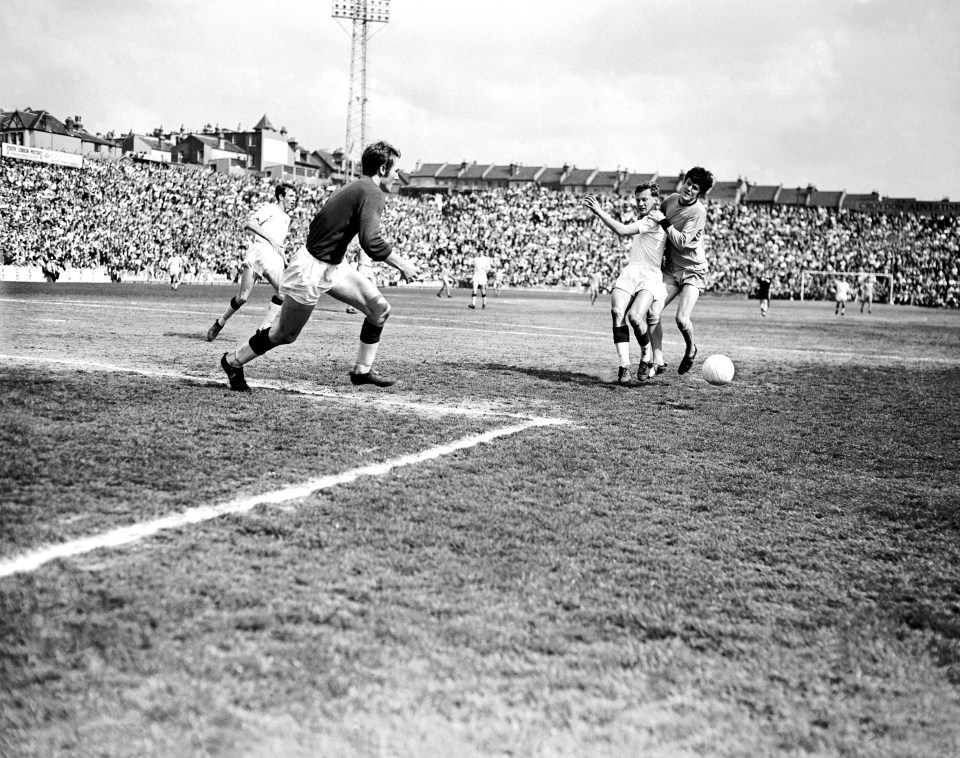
{"x": 623, "y": 230}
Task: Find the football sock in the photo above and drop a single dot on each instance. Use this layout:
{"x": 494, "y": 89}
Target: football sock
{"x": 621, "y": 341}
{"x": 369, "y": 341}
{"x": 687, "y": 335}
{"x": 643, "y": 338}
{"x": 272, "y": 310}
{"x": 258, "y": 344}
{"x": 231, "y": 309}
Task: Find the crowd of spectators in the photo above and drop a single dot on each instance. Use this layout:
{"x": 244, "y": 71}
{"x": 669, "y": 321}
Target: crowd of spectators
{"x": 128, "y": 218}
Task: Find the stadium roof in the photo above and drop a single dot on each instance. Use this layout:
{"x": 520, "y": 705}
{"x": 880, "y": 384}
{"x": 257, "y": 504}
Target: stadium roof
{"x": 765, "y": 193}
{"x": 502, "y": 173}
{"x": 552, "y": 175}
{"x": 476, "y": 171}
{"x": 427, "y": 170}
{"x": 526, "y": 173}
{"x": 826, "y": 199}
{"x": 31, "y": 120}
{"x": 609, "y": 179}
{"x": 206, "y": 139}
{"x": 631, "y": 181}
{"x": 450, "y": 170}
{"x": 578, "y": 177}
{"x": 725, "y": 191}
{"x": 669, "y": 184}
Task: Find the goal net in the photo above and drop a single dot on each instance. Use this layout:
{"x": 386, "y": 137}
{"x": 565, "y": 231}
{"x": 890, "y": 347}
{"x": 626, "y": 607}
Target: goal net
{"x": 819, "y": 285}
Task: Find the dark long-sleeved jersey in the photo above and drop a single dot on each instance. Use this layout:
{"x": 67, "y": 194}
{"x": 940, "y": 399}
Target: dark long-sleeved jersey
{"x": 352, "y": 211}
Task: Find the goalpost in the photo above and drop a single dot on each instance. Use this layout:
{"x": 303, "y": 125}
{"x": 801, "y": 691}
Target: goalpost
{"x": 820, "y": 288}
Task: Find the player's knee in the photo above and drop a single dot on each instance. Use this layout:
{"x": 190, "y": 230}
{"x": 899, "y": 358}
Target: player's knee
{"x": 379, "y": 311}
{"x": 683, "y": 321}
{"x": 281, "y": 337}
{"x": 617, "y": 314}
{"x": 637, "y": 322}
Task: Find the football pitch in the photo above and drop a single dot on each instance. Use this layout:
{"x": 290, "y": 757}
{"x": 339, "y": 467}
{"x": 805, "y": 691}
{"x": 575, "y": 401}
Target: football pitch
{"x": 505, "y": 554}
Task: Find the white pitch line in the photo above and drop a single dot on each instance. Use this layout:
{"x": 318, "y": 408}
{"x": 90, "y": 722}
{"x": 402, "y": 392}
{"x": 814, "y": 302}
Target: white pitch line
{"x": 31, "y": 561}
{"x": 220, "y": 381}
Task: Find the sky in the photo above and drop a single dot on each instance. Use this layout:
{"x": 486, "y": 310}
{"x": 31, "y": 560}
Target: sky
{"x": 854, "y": 95}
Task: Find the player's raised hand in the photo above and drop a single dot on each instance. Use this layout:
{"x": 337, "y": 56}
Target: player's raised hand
{"x": 592, "y": 203}
{"x": 656, "y": 214}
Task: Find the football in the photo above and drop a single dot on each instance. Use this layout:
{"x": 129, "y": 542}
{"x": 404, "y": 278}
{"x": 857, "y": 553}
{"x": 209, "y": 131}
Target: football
{"x": 718, "y": 369}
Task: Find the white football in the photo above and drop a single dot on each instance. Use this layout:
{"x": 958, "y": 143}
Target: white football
{"x": 718, "y": 369}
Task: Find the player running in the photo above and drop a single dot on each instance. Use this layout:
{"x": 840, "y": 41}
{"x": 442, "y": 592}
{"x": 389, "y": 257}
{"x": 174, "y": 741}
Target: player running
{"x": 354, "y": 210}
{"x": 683, "y": 216}
{"x": 640, "y": 284}
{"x": 264, "y": 259}
{"x": 481, "y": 268}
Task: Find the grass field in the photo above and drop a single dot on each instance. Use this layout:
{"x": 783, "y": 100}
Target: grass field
{"x": 506, "y": 554}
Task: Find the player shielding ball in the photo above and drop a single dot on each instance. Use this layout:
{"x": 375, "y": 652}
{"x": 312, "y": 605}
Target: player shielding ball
{"x": 640, "y": 284}
{"x": 683, "y": 216}
{"x": 354, "y": 210}
{"x": 264, "y": 258}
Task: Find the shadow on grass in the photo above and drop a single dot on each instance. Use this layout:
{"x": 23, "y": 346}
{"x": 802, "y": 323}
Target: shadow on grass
{"x": 199, "y": 336}
{"x": 569, "y": 377}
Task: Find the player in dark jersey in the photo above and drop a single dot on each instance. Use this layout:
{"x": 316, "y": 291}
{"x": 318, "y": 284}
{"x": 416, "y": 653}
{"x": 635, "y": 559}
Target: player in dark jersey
{"x": 763, "y": 293}
{"x": 354, "y": 210}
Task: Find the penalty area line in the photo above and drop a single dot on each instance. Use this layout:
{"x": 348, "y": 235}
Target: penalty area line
{"x": 31, "y": 561}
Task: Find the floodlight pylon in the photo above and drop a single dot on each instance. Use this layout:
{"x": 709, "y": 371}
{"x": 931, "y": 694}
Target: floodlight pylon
{"x": 362, "y": 13}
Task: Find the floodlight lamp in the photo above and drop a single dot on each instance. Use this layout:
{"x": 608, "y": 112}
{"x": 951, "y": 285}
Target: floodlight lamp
{"x": 362, "y": 10}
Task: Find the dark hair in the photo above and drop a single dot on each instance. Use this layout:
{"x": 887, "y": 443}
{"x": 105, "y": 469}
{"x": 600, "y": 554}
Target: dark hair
{"x": 701, "y": 177}
{"x": 652, "y": 186}
{"x": 376, "y": 155}
{"x": 282, "y": 190}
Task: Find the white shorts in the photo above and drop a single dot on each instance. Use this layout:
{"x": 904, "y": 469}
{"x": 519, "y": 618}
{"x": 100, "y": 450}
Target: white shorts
{"x": 305, "y": 278}
{"x": 636, "y": 277}
{"x": 683, "y": 276}
{"x": 262, "y": 258}
{"x": 479, "y": 281}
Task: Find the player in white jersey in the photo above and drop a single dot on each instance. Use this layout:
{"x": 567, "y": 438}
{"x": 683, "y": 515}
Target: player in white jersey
{"x": 175, "y": 270}
{"x": 264, "y": 259}
{"x": 640, "y": 284}
{"x": 481, "y": 268}
{"x": 684, "y": 218}
{"x": 841, "y": 293}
